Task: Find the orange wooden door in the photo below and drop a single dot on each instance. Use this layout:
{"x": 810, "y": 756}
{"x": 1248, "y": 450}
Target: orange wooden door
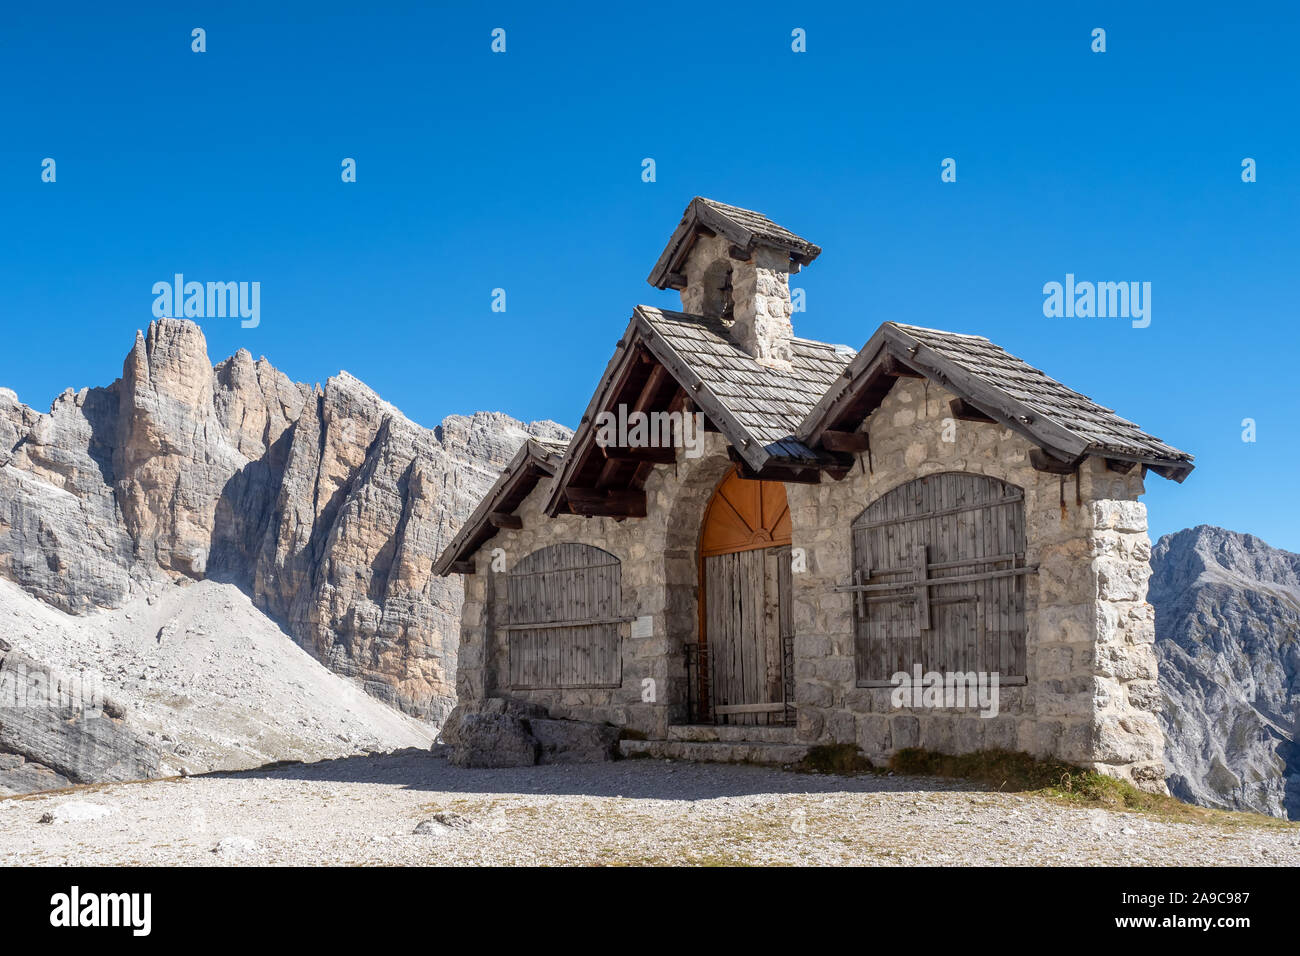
{"x": 745, "y": 599}
{"x": 745, "y": 515}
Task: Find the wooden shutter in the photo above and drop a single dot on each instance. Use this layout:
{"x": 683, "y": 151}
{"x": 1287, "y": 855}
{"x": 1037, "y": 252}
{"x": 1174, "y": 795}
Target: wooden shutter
{"x": 953, "y": 525}
{"x": 565, "y": 619}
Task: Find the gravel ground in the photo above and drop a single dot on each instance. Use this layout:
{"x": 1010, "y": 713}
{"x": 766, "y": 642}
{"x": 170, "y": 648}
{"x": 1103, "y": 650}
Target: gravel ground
{"x": 412, "y": 808}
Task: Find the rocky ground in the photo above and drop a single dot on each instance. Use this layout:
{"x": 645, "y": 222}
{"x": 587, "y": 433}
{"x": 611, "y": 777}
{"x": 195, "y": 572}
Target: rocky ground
{"x": 412, "y": 808}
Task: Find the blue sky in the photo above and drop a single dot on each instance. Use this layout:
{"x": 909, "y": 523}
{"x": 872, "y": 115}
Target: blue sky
{"x": 522, "y": 171}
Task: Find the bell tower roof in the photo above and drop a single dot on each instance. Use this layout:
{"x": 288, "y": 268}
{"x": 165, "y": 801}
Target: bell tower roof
{"x": 744, "y": 229}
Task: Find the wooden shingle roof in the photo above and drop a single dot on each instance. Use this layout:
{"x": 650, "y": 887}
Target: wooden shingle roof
{"x": 790, "y": 424}
{"x": 757, "y": 409}
{"x": 536, "y": 459}
{"x": 1100, "y": 427}
{"x": 768, "y": 405}
{"x": 993, "y": 384}
{"x": 794, "y": 424}
{"x": 743, "y": 228}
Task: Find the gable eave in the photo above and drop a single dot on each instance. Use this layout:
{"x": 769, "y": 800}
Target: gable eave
{"x": 703, "y": 215}
{"x": 641, "y": 334}
{"x": 623, "y": 353}
{"x": 739, "y": 437}
{"x": 679, "y": 244}
{"x": 891, "y": 353}
{"x": 530, "y": 464}
{"x": 1038, "y": 427}
{"x": 891, "y": 349}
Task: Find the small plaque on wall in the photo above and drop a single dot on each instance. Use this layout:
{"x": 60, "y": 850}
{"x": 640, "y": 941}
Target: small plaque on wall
{"x": 643, "y": 626}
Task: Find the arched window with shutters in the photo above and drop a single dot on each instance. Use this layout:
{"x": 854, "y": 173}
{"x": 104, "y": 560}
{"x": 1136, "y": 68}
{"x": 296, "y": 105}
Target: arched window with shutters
{"x": 565, "y": 619}
{"x": 939, "y": 579}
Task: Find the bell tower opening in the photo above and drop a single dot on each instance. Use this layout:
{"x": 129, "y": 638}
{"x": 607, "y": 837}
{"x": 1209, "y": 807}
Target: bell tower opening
{"x": 719, "y": 300}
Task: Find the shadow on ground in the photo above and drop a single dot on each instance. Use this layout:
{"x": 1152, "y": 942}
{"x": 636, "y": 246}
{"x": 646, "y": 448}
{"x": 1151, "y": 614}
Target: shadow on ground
{"x": 633, "y": 779}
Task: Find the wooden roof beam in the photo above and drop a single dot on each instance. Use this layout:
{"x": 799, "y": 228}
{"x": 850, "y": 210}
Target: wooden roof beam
{"x": 1175, "y": 471}
{"x": 579, "y": 448}
{"x": 609, "y": 503}
{"x": 609, "y": 473}
{"x": 964, "y": 411}
{"x": 654, "y": 384}
{"x": 1050, "y": 464}
{"x": 793, "y": 474}
{"x": 891, "y": 365}
{"x": 655, "y": 454}
{"x": 615, "y": 456}
{"x": 530, "y": 464}
{"x": 845, "y": 441}
{"x": 505, "y": 520}
{"x": 861, "y": 396}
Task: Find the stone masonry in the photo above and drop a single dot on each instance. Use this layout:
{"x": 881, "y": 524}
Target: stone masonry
{"x": 1090, "y": 694}
{"x": 759, "y": 289}
{"x": 1091, "y": 688}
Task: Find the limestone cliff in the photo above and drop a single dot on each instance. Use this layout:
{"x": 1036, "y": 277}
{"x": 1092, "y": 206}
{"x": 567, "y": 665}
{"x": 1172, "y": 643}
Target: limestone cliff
{"x": 325, "y": 504}
{"x": 1228, "y": 641}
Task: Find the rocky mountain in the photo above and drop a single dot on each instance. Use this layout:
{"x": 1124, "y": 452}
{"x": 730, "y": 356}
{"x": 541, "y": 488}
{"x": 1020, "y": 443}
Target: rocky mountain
{"x": 326, "y": 505}
{"x": 1228, "y": 642}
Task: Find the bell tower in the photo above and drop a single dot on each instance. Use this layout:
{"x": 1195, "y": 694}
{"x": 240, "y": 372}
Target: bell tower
{"x": 734, "y": 264}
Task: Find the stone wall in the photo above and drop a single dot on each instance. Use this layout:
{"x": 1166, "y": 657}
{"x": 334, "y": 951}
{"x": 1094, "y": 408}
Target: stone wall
{"x": 1090, "y": 662}
{"x": 760, "y": 292}
{"x": 1090, "y": 691}
{"x": 659, "y": 581}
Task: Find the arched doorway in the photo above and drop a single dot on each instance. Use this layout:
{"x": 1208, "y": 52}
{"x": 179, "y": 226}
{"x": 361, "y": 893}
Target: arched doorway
{"x": 746, "y": 620}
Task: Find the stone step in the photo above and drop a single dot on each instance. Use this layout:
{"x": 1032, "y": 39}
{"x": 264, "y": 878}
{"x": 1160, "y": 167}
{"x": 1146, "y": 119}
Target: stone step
{"x": 716, "y": 751}
{"x": 705, "y": 733}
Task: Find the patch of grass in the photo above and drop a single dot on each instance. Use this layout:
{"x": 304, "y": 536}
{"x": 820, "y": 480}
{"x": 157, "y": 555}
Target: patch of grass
{"x": 844, "y": 760}
{"x": 1013, "y": 772}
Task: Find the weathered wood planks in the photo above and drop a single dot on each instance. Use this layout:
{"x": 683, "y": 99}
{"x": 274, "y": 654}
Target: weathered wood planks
{"x": 565, "y": 621}
{"x": 749, "y": 620}
{"x": 943, "y": 560}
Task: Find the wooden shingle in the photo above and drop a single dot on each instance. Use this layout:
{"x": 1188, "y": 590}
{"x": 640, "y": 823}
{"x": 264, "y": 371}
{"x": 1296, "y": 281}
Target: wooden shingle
{"x": 743, "y": 228}
{"x": 1065, "y": 424}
